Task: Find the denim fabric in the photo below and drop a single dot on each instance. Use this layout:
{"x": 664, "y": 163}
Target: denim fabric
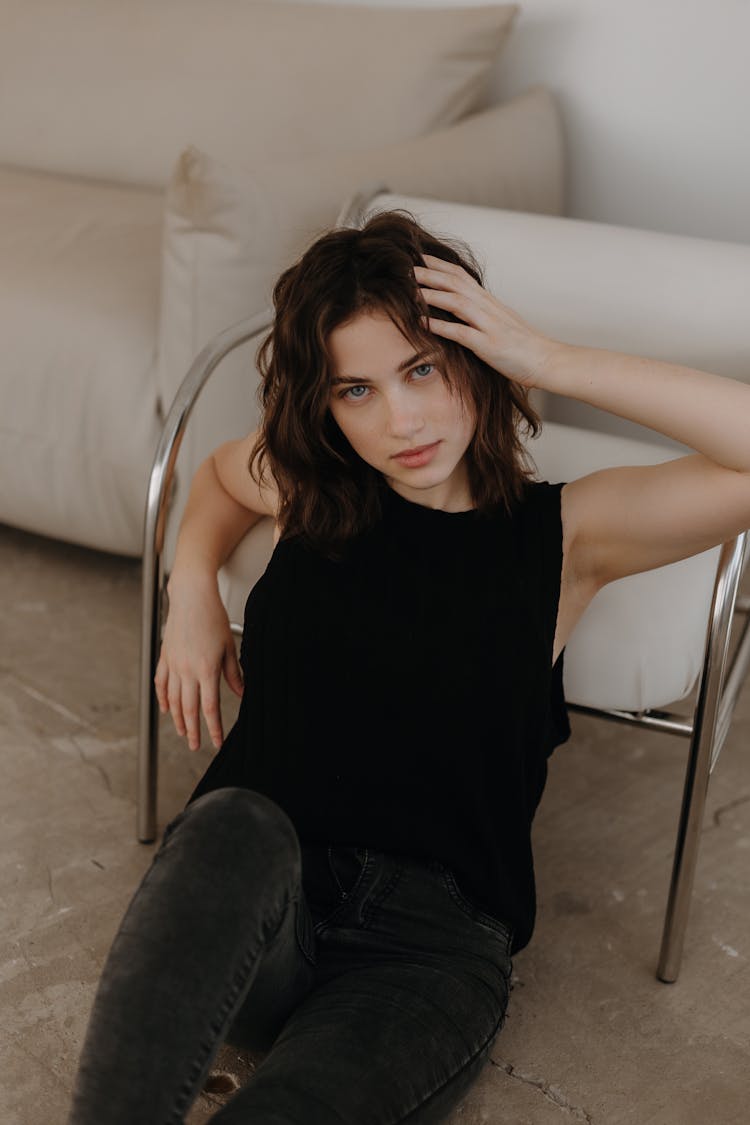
{"x": 373, "y": 985}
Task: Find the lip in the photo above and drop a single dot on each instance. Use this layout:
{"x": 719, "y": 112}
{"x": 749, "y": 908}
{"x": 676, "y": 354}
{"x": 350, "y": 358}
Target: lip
{"x": 419, "y": 456}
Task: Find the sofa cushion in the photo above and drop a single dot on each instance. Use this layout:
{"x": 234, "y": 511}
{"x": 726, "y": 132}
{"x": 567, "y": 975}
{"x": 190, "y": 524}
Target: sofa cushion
{"x": 79, "y": 292}
{"x": 230, "y": 230}
{"x": 115, "y": 89}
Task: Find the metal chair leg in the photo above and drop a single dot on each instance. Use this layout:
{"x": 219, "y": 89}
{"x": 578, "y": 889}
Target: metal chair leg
{"x": 700, "y": 758}
{"x": 148, "y": 718}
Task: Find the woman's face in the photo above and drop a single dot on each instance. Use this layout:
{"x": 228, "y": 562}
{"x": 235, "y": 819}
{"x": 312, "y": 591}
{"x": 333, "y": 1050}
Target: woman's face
{"x": 383, "y": 410}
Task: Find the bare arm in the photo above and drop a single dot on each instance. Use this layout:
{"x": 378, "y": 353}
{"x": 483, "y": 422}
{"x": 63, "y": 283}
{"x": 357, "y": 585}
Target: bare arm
{"x": 223, "y": 504}
{"x": 633, "y": 518}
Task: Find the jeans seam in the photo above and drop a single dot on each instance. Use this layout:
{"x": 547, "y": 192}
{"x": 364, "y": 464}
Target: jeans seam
{"x": 339, "y": 908}
{"x": 438, "y": 1089}
{"x": 369, "y": 908}
{"x": 219, "y": 1024}
{"x": 476, "y": 914}
{"x": 332, "y": 869}
{"x": 310, "y": 956}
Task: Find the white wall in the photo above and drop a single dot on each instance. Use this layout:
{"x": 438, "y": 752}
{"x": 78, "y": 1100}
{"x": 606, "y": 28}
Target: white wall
{"x": 655, "y": 96}
{"x": 656, "y": 100}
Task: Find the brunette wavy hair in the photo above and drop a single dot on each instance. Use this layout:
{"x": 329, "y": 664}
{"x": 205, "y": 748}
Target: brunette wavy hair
{"x": 327, "y": 492}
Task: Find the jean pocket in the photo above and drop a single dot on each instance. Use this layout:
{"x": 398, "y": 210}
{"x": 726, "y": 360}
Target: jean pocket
{"x": 346, "y": 864}
{"x": 473, "y": 910}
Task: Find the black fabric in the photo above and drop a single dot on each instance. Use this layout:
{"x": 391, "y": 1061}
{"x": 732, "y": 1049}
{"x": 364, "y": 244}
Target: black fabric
{"x": 403, "y": 698}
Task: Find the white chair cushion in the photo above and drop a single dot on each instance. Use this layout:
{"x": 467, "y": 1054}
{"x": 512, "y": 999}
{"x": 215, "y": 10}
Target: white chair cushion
{"x": 79, "y": 292}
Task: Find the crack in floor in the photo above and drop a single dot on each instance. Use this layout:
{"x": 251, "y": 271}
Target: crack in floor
{"x": 90, "y": 762}
{"x": 47, "y": 701}
{"x": 719, "y": 813}
{"x": 551, "y": 1093}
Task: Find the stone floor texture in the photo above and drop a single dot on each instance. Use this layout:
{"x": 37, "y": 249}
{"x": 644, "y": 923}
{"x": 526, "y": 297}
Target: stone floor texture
{"x": 591, "y": 1035}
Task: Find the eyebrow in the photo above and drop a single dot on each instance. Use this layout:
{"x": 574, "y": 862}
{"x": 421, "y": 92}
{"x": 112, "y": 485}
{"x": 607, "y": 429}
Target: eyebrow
{"x": 357, "y": 379}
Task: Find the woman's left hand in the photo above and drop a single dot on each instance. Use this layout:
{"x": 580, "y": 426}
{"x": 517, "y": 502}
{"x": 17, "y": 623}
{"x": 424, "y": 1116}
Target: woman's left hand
{"x": 491, "y": 330}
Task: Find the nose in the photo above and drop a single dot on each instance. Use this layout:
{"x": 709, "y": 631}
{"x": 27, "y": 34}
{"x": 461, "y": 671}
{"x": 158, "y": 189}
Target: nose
{"x": 405, "y": 420}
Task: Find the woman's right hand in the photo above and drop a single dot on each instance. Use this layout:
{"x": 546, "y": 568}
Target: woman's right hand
{"x": 196, "y": 648}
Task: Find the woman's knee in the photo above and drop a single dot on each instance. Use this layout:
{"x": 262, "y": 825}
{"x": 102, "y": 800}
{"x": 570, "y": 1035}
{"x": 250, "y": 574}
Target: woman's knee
{"x": 233, "y": 822}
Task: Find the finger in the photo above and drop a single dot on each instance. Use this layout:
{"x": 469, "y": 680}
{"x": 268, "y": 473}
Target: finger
{"x": 190, "y": 713}
{"x": 160, "y": 686}
{"x": 446, "y": 283}
{"x": 462, "y": 284}
{"x": 232, "y": 670}
{"x": 461, "y": 333}
{"x": 462, "y": 306}
{"x": 174, "y": 698}
{"x": 211, "y": 710}
{"x": 446, "y": 267}
{"x": 472, "y": 294}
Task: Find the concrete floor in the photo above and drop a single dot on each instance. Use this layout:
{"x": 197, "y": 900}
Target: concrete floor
{"x": 591, "y": 1035}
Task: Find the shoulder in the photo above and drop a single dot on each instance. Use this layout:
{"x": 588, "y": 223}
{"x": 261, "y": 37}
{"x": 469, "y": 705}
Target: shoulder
{"x": 541, "y": 499}
{"x": 537, "y": 525}
{"x": 554, "y": 520}
{"x": 255, "y": 491}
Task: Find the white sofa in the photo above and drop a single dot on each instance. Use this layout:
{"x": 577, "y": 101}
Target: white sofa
{"x": 114, "y": 268}
{"x": 165, "y": 159}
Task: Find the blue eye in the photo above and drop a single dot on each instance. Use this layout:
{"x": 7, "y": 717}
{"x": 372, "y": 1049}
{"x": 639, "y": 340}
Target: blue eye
{"x": 347, "y": 394}
{"x": 361, "y": 387}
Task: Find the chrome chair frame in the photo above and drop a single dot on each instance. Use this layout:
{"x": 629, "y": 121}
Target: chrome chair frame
{"x": 707, "y": 728}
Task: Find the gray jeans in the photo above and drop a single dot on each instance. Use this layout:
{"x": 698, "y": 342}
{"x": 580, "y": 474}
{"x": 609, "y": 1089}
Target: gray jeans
{"x": 374, "y": 985}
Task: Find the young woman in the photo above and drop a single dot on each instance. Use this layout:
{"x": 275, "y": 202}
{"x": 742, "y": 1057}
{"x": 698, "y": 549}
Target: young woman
{"x": 349, "y": 880}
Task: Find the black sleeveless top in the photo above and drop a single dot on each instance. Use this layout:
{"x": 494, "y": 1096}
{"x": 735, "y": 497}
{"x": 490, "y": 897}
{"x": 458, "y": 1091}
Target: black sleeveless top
{"x": 403, "y": 698}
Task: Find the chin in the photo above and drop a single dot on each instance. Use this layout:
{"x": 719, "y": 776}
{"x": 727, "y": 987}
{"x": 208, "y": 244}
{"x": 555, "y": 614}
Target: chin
{"x": 422, "y": 479}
